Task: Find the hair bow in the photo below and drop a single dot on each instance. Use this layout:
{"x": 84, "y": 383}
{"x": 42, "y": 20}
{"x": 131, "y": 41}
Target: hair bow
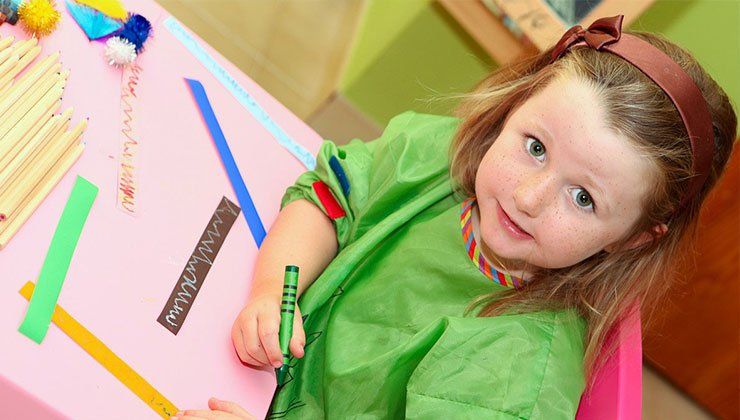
{"x": 601, "y": 32}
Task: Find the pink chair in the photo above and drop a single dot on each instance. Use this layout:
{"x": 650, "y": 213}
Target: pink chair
{"x": 617, "y": 390}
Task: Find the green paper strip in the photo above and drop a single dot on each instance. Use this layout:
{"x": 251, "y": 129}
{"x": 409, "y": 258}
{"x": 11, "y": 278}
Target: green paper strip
{"x": 63, "y": 244}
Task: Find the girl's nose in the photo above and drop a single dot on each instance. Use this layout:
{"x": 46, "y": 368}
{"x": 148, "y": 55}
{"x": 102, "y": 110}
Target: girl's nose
{"x": 534, "y": 193}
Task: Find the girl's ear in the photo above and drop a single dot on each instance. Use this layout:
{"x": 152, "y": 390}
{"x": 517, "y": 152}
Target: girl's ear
{"x": 642, "y": 238}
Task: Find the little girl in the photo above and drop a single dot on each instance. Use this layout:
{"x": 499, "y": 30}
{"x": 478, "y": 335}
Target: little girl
{"x": 572, "y": 181}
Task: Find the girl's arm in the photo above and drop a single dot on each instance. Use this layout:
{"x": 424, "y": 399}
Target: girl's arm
{"x": 301, "y": 235}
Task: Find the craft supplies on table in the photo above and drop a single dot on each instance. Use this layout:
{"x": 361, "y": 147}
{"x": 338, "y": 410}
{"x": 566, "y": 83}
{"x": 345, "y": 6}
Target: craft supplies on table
{"x": 37, "y": 146}
{"x": 144, "y": 122}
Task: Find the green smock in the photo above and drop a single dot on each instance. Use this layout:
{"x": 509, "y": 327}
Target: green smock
{"x": 385, "y": 332}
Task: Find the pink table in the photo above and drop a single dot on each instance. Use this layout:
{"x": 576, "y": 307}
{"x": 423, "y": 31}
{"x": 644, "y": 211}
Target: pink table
{"x": 124, "y": 267}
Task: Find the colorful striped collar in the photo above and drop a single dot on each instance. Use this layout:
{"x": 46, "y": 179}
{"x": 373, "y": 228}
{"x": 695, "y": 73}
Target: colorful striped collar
{"x": 466, "y": 222}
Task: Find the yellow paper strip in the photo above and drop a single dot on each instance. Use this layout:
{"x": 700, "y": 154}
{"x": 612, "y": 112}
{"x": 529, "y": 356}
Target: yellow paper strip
{"x": 108, "y": 359}
{"x": 112, "y": 8}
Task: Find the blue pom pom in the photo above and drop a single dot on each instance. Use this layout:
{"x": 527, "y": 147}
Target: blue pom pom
{"x": 136, "y": 30}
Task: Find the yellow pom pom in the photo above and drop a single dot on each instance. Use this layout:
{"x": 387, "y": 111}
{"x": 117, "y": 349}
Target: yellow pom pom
{"x": 39, "y": 16}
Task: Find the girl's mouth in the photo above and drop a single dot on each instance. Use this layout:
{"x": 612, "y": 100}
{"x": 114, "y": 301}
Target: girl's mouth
{"x": 510, "y": 226}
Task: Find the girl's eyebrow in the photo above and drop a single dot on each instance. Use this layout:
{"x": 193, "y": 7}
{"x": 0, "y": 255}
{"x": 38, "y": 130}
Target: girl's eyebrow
{"x": 542, "y": 128}
{"x": 603, "y": 202}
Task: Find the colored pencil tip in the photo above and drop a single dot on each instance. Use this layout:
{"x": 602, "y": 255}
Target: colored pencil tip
{"x": 280, "y": 372}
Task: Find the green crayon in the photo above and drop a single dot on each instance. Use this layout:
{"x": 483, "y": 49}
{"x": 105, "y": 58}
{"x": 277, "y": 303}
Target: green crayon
{"x": 287, "y": 309}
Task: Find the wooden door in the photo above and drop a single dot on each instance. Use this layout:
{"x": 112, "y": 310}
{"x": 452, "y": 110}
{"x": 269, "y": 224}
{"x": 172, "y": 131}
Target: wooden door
{"x": 695, "y": 340}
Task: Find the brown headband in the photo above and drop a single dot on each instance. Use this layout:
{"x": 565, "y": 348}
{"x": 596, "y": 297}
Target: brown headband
{"x": 605, "y": 34}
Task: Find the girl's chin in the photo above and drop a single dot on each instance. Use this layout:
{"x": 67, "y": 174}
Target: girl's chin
{"x": 500, "y": 248}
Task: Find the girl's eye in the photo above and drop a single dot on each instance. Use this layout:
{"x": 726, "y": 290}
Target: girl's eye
{"x": 582, "y": 198}
{"x": 536, "y": 148}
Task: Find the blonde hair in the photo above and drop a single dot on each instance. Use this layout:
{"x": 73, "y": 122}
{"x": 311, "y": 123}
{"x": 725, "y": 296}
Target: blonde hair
{"x": 603, "y": 287}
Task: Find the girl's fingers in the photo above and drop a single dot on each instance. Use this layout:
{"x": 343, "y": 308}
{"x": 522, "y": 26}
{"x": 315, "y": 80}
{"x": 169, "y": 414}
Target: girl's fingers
{"x": 237, "y": 339}
{"x": 298, "y": 341}
{"x": 205, "y": 414}
{"x": 229, "y": 407}
{"x": 268, "y": 335}
{"x": 253, "y": 344}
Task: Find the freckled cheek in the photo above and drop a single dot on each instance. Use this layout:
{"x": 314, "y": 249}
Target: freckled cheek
{"x": 490, "y": 180}
{"x": 502, "y": 159}
{"x": 498, "y": 174}
{"x": 566, "y": 237}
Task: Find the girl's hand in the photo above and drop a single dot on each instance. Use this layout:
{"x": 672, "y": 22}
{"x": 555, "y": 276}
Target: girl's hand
{"x": 255, "y": 332}
{"x": 219, "y": 410}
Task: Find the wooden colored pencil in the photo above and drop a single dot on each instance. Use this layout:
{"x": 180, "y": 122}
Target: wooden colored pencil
{"x": 37, "y": 195}
{"x": 33, "y": 128}
{"x": 20, "y": 48}
{"x": 29, "y": 121}
{"x": 63, "y": 123}
{"x": 8, "y": 162}
{"x": 8, "y": 65}
{"x": 38, "y": 166}
{"x": 5, "y": 54}
{"x": 22, "y": 63}
{"x": 20, "y": 44}
{"x": 6, "y": 42}
{"x": 45, "y": 63}
{"x": 26, "y": 58}
{"x": 36, "y": 150}
{"x": 35, "y": 92}
{"x": 37, "y": 68}
{"x": 9, "y": 146}
{"x": 26, "y": 102}
{"x": 33, "y": 158}
{"x": 28, "y": 55}
{"x": 19, "y": 116}
{"x": 12, "y": 197}
{"x": 57, "y": 130}
{"x": 27, "y": 148}
{"x": 17, "y": 46}
{"x": 47, "y": 174}
{"x": 12, "y": 95}
{"x": 28, "y": 79}
{"x": 42, "y": 110}
{"x": 23, "y": 47}
{"x": 20, "y": 106}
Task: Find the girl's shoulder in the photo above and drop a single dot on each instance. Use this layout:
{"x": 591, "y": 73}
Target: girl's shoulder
{"x": 413, "y": 146}
{"x": 418, "y": 131}
{"x": 420, "y": 123}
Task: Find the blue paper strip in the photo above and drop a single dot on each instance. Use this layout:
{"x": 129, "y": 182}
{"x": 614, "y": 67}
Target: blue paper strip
{"x": 341, "y": 176}
{"x": 237, "y": 182}
{"x": 239, "y": 93}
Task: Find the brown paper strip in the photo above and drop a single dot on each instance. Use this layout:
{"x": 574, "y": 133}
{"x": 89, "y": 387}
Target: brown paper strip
{"x": 200, "y": 262}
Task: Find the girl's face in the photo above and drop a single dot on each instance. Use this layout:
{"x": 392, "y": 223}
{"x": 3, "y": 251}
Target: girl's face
{"x": 557, "y": 186}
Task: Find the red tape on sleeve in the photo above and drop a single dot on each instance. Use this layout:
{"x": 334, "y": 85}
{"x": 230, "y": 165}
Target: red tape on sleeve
{"x": 333, "y": 209}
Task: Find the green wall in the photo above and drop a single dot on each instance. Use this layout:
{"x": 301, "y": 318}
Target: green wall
{"x": 430, "y": 54}
{"x": 410, "y": 51}
{"x": 382, "y": 22}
